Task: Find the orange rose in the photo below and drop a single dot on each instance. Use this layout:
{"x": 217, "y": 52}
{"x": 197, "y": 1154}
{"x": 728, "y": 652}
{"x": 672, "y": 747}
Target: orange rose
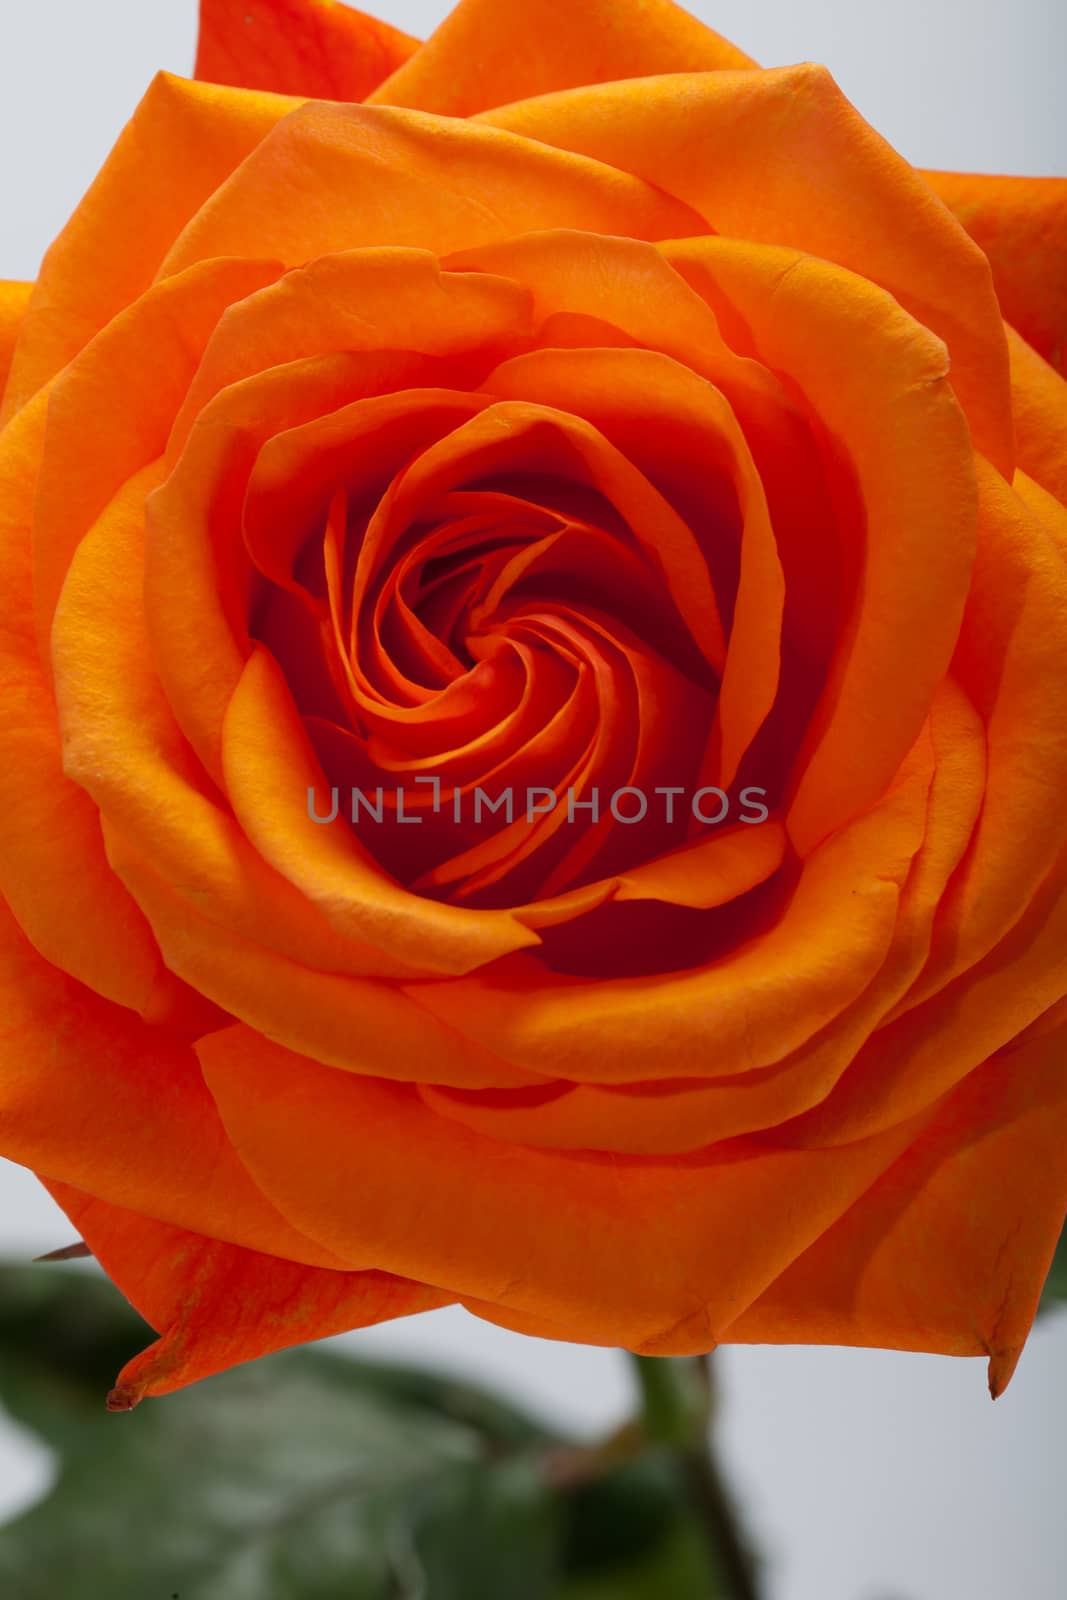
{"x": 645, "y": 449}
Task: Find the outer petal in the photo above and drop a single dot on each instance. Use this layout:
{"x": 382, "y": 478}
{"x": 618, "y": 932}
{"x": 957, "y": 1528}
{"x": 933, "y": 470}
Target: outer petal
{"x": 124, "y": 747}
{"x": 767, "y": 998}
{"x": 53, "y": 872}
{"x": 644, "y": 1254}
{"x": 84, "y": 464}
{"x": 182, "y": 141}
{"x": 1021, "y": 224}
{"x": 1050, "y": 512}
{"x": 484, "y": 54}
{"x": 317, "y": 49}
{"x": 14, "y": 298}
{"x": 215, "y": 1304}
{"x": 1039, "y": 398}
{"x": 949, "y": 1250}
{"x": 1011, "y": 658}
{"x": 750, "y": 151}
{"x": 386, "y": 300}
{"x": 670, "y": 1115}
{"x": 924, "y": 1052}
{"x": 91, "y": 1095}
{"x": 878, "y": 381}
{"x": 338, "y": 177}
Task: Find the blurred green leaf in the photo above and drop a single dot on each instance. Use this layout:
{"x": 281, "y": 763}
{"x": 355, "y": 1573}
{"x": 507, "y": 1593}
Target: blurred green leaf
{"x": 676, "y": 1570}
{"x": 312, "y": 1475}
{"x": 629, "y": 1536}
{"x": 1055, "y": 1290}
{"x": 307, "y": 1475}
{"x": 619, "y": 1516}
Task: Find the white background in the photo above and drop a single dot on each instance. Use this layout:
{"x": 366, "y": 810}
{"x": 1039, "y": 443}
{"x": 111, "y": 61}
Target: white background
{"x": 868, "y": 1475}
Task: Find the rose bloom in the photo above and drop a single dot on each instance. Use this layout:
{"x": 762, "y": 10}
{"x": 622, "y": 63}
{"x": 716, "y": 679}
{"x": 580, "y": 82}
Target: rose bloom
{"x": 564, "y": 403}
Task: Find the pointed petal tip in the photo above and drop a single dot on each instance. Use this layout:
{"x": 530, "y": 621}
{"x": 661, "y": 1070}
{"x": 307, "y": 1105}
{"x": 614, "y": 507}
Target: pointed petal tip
{"x": 1002, "y": 1364}
{"x": 123, "y": 1398}
{"x": 66, "y": 1252}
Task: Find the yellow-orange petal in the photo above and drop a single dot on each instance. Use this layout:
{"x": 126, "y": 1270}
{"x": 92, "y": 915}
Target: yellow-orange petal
{"x": 668, "y": 1115}
{"x": 484, "y": 55}
{"x": 1049, "y": 511}
{"x": 742, "y": 1012}
{"x": 14, "y": 298}
{"x": 216, "y": 1305}
{"x": 357, "y": 1025}
{"x": 92, "y": 1095}
{"x": 183, "y": 140}
{"x": 1039, "y": 399}
{"x": 878, "y": 381}
{"x": 134, "y": 374}
{"x": 949, "y": 1249}
{"x": 316, "y": 49}
{"x": 621, "y": 289}
{"x": 123, "y": 746}
{"x": 748, "y": 150}
{"x": 639, "y": 1253}
{"x": 337, "y": 177}
{"x": 712, "y": 871}
{"x": 664, "y": 1114}
{"x": 923, "y": 1052}
{"x": 53, "y": 871}
{"x": 1021, "y": 225}
{"x": 383, "y": 299}
{"x": 594, "y": 290}
{"x": 1011, "y": 660}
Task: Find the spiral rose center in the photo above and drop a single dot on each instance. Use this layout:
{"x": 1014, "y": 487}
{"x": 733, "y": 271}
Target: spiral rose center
{"x": 513, "y": 610}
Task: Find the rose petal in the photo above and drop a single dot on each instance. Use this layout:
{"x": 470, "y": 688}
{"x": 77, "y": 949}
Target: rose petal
{"x": 53, "y": 871}
{"x": 1051, "y": 513}
{"x": 622, "y": 291}
{"x": 931, "y": 1047}
{"x": 216, "y": 1304}
{"x": 91, "y": 1095}
{"x": 766, "y": 998}
{"x": 668, "y": 1115}
{"x": 478, "y": 57}
{"x": 83, "y": 464}
{"x": 1039, "y": 397}
{"x": 182, "y": 141}
{"x": 386, "y": 299}
{"x": 357, "y": 1025}
{"x": 270, "y": 768}
{"x": 1021, "y": 225}
{"x": 662, "y": 417}
{"x": 878, "y": 382}
{"x": 316, "y": 49}
{"x": 636, "y": 1253}
{"x": 122, "y": 744}
{"x": 949, "y": 1249}
{"x": 515, "y": 435}
{"x": 14, "y": 298}
{"x": 1012, "y": 661}
{"x": 294, "y": 427}
{"x": 788, "y": 132}
{"x": 335, "y": 177}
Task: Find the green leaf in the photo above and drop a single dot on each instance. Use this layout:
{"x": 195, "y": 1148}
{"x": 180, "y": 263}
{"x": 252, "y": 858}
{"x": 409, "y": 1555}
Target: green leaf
{"x": 677, "y": 1569}
{"x": 630, "y": 1536}
{"x": 1055, "y": 1290}
{"x": 306, "y": 1475}
{"x": 313, "y": 1475}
